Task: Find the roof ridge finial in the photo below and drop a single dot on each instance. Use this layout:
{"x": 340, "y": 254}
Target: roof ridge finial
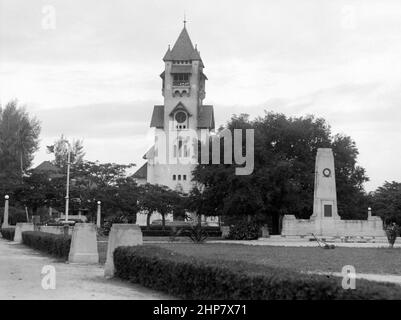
{"x": 185, "y": 20}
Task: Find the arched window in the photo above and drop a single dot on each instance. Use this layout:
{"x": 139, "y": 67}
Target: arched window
{"x": 185, "y": 151}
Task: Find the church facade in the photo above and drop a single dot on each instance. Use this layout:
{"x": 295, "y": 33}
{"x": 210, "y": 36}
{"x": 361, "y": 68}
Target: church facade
{"x": 180, "y": 120}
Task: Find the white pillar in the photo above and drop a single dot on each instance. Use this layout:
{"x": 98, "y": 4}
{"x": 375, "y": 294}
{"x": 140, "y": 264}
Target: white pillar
{"x": 98, "y": 224}
{"x": 369, "y": 212}
{"x": 5, "y": 216}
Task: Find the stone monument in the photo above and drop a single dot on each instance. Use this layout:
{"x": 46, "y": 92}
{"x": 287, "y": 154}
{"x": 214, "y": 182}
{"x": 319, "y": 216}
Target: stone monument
{"x": 325, "y": 220}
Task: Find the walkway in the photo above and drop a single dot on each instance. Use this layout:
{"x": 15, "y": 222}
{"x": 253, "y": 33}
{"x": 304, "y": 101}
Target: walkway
{"x": 21, "y": 278}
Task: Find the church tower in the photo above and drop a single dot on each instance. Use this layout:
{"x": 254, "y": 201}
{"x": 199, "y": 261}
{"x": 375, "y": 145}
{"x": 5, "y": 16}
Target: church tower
{"x": 179, "y": 121}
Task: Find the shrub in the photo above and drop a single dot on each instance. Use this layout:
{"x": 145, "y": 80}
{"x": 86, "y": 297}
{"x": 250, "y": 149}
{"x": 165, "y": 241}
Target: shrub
{"x": 244, "y": 231}
{"x": 391, "y": 232}
{"x": 157, "y": 231}
{"x": 189, "y": 278}
{"x": 196, "y": 233}
{"x": 54, "y": 244}
{"x": 8, "y": 233}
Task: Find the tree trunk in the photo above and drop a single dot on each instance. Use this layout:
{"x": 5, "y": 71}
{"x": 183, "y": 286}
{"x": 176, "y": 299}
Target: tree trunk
{"x": 163, "y": 222}
{"x": 199, "y": 220}
{"x": 148, "y": 220}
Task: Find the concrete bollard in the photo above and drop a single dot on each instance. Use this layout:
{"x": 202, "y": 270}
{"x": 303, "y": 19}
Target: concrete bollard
{"x": 20, "y": 228}
{"x": 121, "y": 235}
{"x": 84, "y": 244}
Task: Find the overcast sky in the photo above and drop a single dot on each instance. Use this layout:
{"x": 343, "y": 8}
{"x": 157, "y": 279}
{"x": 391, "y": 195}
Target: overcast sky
{"x": 93, "y": 72}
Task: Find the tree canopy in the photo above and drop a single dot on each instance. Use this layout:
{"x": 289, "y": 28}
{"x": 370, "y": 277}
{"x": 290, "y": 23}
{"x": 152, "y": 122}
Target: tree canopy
{"x": 284, "y": 161}
{"x": 19, "y": 140}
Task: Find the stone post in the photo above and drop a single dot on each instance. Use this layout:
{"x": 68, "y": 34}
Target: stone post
{"x": 5, "y": 216}
{"x": 84, "y": 244}
{"x": 121, "y": 235}
{"x": 20, "y": 228}
{"x": 98, "y": 222}
{"x": 369, "y": 212}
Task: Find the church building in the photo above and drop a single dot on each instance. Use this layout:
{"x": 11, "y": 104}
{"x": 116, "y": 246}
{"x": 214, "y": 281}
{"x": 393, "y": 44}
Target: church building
{"x": 179, "y": 121}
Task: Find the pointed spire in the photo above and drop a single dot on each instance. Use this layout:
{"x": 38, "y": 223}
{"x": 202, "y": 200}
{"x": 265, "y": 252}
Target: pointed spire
{"x": 183, "y": 48}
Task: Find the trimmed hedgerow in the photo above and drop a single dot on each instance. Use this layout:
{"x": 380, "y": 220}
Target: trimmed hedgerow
{"x": 54, "y": 244}
{"x": 190, "y": 278}
{"x": 8, "y": 233}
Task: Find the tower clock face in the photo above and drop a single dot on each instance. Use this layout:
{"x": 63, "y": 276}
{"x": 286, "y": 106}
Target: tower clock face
{"x": 180, "y": 117}
{"x": 327, "y": 172}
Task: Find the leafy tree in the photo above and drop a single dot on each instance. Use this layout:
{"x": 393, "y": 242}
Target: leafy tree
{"x": 386, "y": 202}
{"x": 107, "y": 182}
{"x": 283, "y": 178}
{"x": 62, "y": 147}
{"x": 19, "y": 138}
{"x": 161, "y": 199}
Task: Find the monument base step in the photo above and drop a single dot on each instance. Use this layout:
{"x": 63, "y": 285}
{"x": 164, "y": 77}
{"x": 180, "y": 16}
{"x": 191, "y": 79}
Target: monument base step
{"x": 328, "y": 239}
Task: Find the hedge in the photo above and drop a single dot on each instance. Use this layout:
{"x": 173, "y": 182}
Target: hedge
{"x": 54, "y": 244}
{"x": 8, "y": 233}
{"x": 157, "y": 231}
{"x": 190, "y": 278}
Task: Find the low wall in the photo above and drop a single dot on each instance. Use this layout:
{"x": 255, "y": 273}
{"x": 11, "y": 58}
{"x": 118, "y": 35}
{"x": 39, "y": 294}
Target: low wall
{"x": 54, "y": 229}
{"x": 373, "y": 227}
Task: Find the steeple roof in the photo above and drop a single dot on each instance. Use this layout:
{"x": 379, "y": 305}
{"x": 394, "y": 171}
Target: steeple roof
{"x": 183, "y": 49}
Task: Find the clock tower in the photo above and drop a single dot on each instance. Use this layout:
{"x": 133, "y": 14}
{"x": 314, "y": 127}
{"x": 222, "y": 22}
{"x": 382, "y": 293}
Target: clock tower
{"x": 179, "y": 120}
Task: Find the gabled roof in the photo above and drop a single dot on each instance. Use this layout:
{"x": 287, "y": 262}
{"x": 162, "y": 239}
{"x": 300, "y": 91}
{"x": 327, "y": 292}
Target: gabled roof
{"x": 157, "y": 117}
{"x": 206, "y": 117}
{"x": 150, "y": 153}
{"x": 183, "y": 49}
{"x": 142, "y": 172}
{"x": 180, "y": 106}
{"x": 48, "y": 167}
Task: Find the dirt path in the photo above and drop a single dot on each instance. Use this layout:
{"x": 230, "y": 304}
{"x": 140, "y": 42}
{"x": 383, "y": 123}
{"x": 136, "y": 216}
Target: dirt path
{"x": 21, "y": 278}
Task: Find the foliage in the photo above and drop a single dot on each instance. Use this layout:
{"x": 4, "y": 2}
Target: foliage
{"x": 19, "y": 140}
{"x": 54, "y": 244}
{"x": 283, "y": 178}
{"x": 196, "y": 233}
{"x": 110, "y": 221}
{"x": 62, "y": 147}
{"x": 192, "y": 278}
{"x": 15, "y": 215}
{"x": 392, "y": 231}
{"x": 177, "y": 231}
{"x": 8, "y": 233}
{"x": 386, "y": 202}
{"x": 244, "y": 231}
{"x": 161, "y": 199}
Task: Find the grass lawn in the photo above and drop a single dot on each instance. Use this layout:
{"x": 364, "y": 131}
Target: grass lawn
{"x": 365, "y": 260}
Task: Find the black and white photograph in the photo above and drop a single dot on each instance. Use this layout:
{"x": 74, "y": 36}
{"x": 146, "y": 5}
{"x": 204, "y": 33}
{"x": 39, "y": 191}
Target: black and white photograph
{"x": 200, "y": 155}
